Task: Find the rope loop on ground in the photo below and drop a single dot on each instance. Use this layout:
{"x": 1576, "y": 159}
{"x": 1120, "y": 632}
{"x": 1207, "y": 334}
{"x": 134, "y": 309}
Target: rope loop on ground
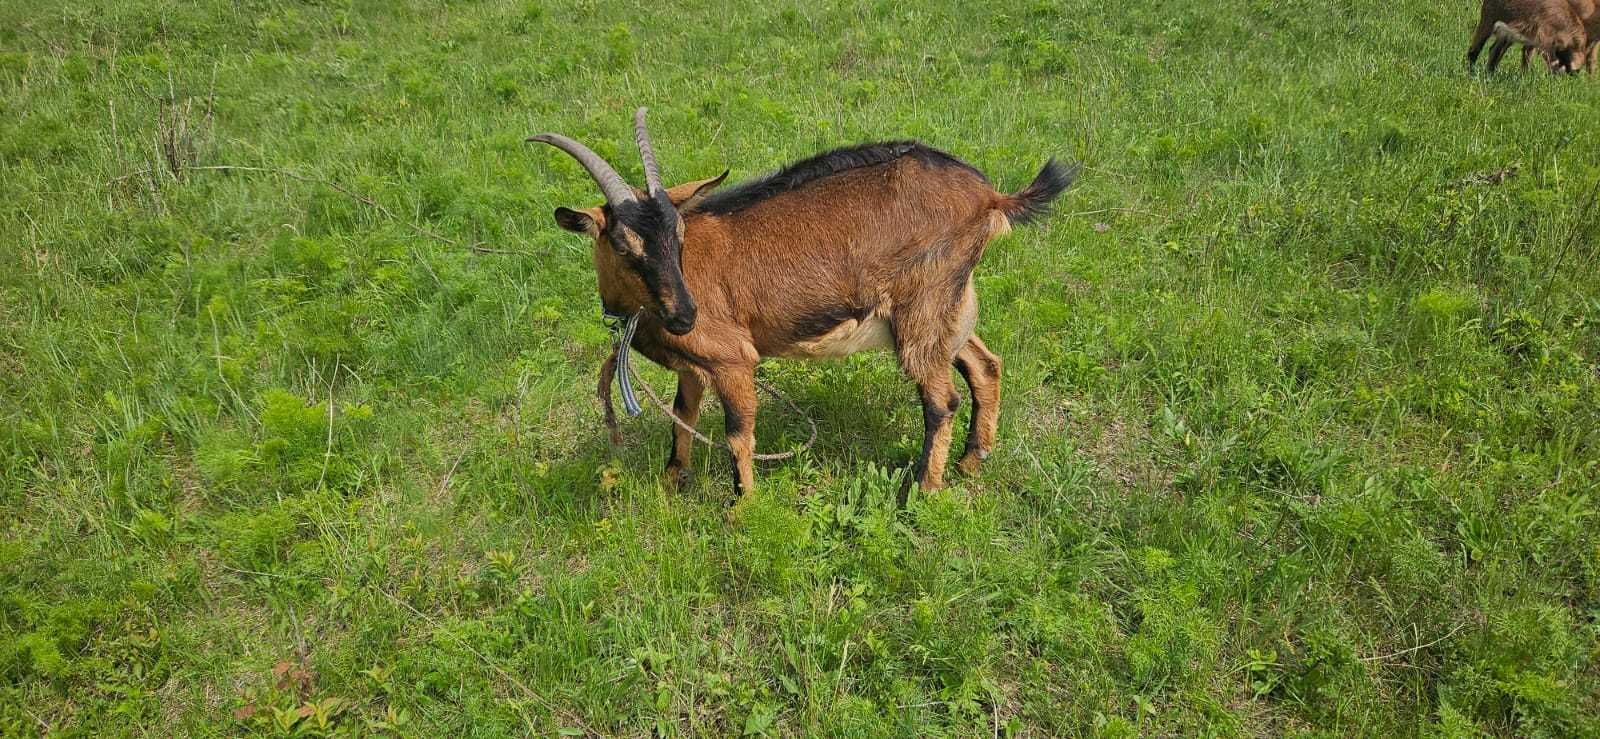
{"x": 610, "y": 367}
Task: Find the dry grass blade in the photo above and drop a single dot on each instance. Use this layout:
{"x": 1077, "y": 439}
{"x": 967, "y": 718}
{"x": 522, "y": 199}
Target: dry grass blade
{"x": 1417, "y": 648}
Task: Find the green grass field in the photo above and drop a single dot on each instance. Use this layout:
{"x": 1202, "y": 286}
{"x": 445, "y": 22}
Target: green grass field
{"x": 1301, "y": 425}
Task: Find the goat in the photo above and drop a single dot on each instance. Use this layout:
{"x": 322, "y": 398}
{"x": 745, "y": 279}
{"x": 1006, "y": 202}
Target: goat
{"x": 860, "y": 248}
{"x": 1588, "y": 13}
{"x": 1553, "y": 27}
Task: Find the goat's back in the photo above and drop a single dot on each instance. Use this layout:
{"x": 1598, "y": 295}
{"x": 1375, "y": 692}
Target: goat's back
{"x": 848, "y": 246}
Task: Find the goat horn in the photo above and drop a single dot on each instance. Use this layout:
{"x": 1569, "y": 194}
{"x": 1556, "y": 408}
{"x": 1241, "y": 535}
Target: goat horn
{"x": 616, "y": 190}
{"x": 652, "y": 171}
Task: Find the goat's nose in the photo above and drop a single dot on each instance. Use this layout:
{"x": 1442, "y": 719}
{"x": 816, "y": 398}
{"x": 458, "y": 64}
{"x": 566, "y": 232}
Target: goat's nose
{"x": 681, "y": 323}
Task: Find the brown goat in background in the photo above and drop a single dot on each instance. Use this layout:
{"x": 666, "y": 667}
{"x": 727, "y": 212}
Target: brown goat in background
{"x": 1588, "y": 13}
{"x": 855, "y": 249}
{"x": 1555, "y": 28}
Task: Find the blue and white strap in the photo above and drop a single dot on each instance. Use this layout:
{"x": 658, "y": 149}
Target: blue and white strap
{"x": 623, "y": 328}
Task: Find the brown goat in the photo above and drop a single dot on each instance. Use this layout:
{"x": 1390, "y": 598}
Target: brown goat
{"x": 1553, "y": 27}
{"x": 1588, "y": 14}
{"x": 861, "y": 248}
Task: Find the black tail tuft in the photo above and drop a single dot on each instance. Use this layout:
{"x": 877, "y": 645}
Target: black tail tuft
{"x": 1034, "y": 200}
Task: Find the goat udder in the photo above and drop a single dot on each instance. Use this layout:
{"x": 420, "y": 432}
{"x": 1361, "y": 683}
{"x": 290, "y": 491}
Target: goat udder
{"x": 847, "y": 338}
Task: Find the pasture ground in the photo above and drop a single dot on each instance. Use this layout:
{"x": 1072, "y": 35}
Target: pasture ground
{"x": 1300, "y": 418}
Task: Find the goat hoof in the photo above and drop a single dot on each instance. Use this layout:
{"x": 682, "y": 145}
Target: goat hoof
{"x": 740, "y": 504}
{"x": 675, "y": 477}
{"x": 970, "y": 462}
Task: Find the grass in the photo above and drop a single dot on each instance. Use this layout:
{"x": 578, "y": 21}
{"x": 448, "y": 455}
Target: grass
{"x": 1301, "y": 398}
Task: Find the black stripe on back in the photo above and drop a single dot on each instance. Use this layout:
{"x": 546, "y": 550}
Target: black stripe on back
{"x": 826, "y": 164}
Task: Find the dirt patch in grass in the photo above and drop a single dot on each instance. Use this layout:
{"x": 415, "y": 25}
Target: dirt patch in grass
{"x": 1120, "y": 446}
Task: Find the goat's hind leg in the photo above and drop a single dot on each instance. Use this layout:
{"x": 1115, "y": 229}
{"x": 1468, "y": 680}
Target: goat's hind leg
{"x": 1496, "y": 51}
{"x": 926, "y": 360}
{"x": 939, "y": 403}
{"x": 981, "y": 369}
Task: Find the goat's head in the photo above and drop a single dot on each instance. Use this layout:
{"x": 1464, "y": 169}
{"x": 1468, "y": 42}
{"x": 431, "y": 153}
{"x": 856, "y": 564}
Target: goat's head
{"x": 1566, "y": 52}
{"x": 644, "y": 228}
{"x": 1569, "y": 55}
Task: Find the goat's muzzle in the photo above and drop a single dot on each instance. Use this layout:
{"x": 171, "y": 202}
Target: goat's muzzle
{"x": 681, "y": 321}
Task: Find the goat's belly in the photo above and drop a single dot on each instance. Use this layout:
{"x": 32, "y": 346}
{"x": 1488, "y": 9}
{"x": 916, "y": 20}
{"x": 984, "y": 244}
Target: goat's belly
{"x": 845, "y": 339}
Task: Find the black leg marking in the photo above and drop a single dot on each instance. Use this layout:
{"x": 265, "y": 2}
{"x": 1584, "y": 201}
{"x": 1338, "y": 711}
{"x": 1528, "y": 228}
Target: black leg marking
{"x": 733, "y": 424}
{"x": 972, "y": 424}
{"x": 1495, "y": 52}
{"x": 738, "y": 487}
{"x": 932, "y": 417}
{"x": 680, "y": 408}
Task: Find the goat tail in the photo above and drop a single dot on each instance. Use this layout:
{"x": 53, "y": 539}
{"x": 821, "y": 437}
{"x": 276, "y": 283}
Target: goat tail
{"x": 1034, "y": 200}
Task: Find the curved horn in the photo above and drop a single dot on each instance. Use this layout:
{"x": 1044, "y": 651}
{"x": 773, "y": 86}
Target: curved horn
{"x": 616, "y": 190}
{"x": 652, "y": 171}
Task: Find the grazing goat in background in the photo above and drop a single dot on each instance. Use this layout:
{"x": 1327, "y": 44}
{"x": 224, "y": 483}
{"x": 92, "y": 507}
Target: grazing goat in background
{"x": 1588, "y": 13}
{"x": 1553, "y": 27}
{"x": 855, "y": 249}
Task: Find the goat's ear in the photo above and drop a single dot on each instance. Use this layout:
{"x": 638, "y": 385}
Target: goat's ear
{"x": 686, "y": 195}
{"x": 581, "y": 222}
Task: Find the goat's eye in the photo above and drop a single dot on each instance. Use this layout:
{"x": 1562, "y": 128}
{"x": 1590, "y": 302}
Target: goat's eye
{"x": 629, "y": 241}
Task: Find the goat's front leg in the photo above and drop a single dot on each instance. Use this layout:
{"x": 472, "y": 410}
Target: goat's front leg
{"x": 736, "y": 386}
{"x": 686, "y": 406}
{"x": 1479, "y": 37}
{"x": 608, "y": 371}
